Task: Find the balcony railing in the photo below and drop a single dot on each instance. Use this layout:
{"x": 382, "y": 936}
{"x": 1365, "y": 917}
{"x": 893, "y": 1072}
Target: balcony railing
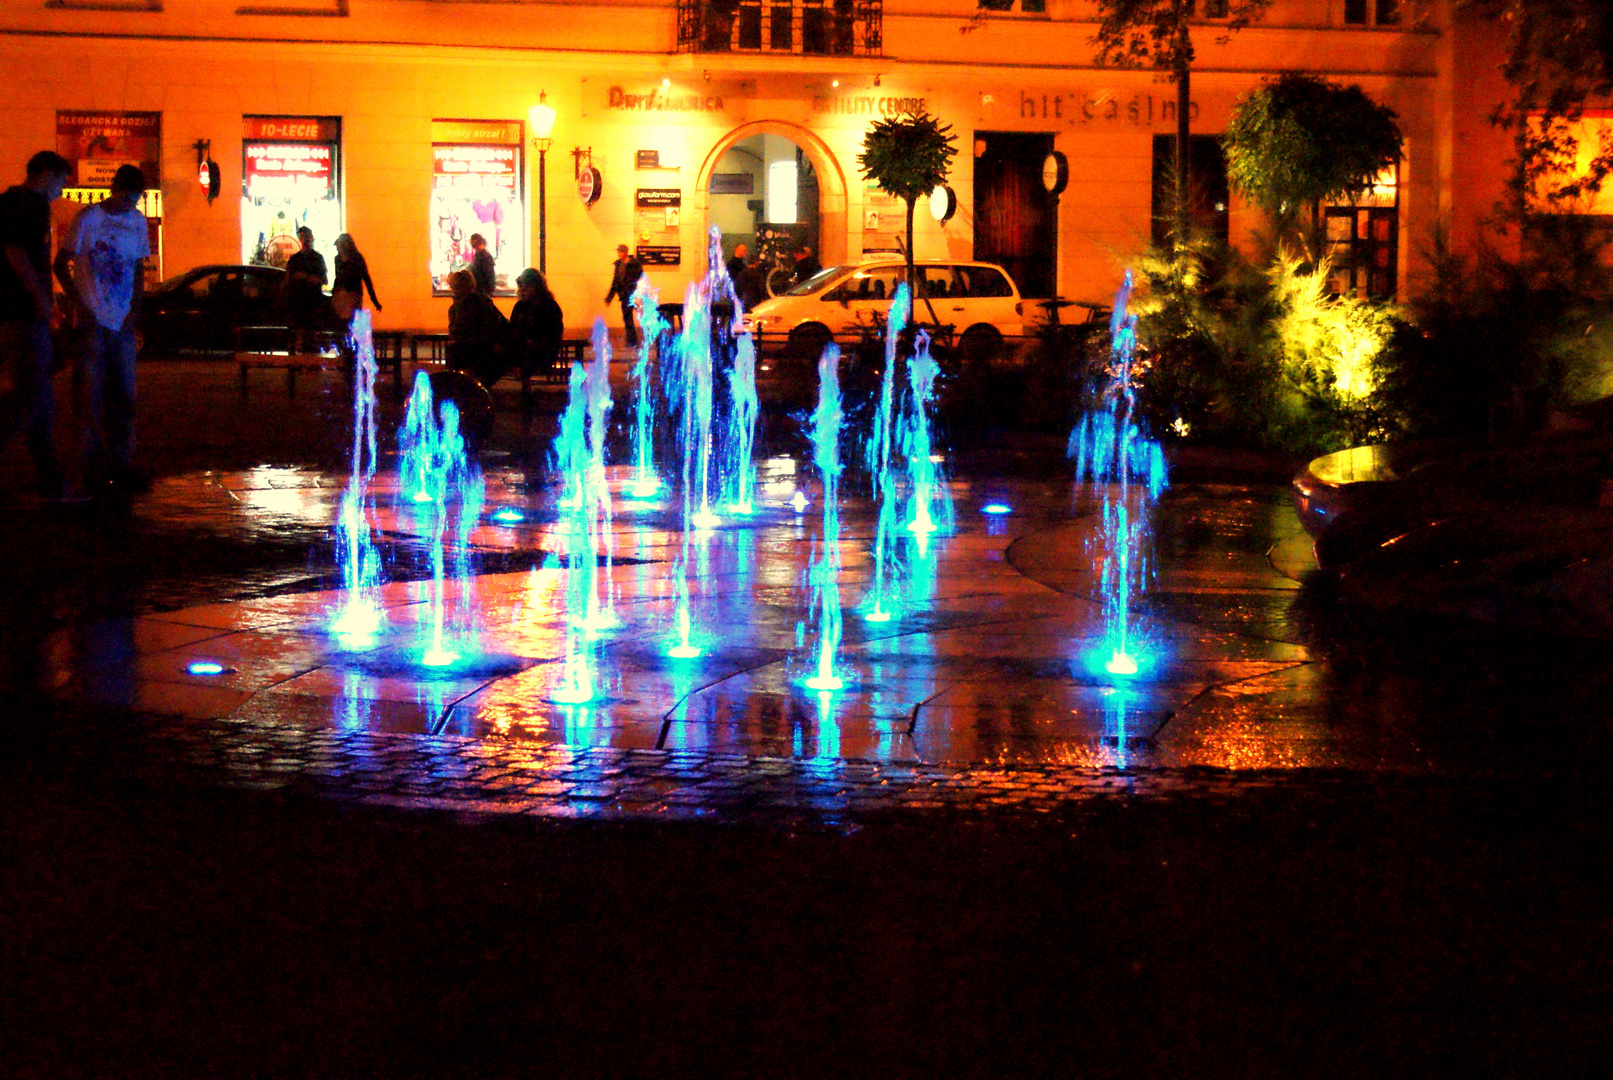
{"x": 801, "y": 27}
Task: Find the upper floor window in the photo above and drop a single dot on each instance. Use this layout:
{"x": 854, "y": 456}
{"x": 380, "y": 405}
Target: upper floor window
{"x": 809, "y": 27}
{"x": 1024, "y": 7}
{"x": 1371, "y": 12}
{"x": 1207, "y": 9}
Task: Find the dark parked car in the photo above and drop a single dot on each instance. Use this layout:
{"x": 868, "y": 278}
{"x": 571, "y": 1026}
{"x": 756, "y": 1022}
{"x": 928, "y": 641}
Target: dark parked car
{"x": 199, "y": 310}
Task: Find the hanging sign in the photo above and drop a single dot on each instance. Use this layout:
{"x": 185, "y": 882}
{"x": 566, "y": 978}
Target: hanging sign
{"x": 1055, "y": 173}
{"x": 589, "y": 185}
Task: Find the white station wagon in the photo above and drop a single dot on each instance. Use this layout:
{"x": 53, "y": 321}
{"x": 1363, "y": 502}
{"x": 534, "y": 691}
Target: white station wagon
{"x": 977, "y": 300}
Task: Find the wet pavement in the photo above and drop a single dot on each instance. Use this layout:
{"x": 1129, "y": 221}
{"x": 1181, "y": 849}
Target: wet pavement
{"x": 1381, "y": 838}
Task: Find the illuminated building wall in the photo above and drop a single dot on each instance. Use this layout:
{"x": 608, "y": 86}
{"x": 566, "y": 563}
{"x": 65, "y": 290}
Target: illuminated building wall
{"x": 386, "y": 76}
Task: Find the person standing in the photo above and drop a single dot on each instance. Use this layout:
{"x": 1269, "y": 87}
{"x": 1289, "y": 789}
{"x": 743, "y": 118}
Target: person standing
{"x": 27, "y": 310}
{"x": 352, "y": 277}
{"x": 625, "y": 273}
{"x": 806, "y": 264}
{"x": 107, "y": 248}
{"x": 736, "y": 262}
{"x": 481, "y": 265}
{"x": 306, "y": 278}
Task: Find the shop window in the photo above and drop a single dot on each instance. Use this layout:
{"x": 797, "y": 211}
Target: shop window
{"x": 1372, "y": 12}
{"x": 96, "y": 145}
{"x": 290, "y": 179}
{"x": 478, "y": 186}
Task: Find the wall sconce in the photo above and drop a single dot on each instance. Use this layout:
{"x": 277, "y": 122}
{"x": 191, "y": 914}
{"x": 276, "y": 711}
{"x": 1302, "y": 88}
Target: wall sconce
{"x": 206, "y": 169}
{"x": 876, "y": 80}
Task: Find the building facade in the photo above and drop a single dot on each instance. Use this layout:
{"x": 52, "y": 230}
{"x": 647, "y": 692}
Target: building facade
{"x": 405, "y": 123}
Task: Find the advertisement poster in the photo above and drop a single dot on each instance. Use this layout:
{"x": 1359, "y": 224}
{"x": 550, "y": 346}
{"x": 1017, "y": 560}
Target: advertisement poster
{"x": 477, "y": 186}
{"x": 290, "y": 167}
{"x": 97, "y": 143}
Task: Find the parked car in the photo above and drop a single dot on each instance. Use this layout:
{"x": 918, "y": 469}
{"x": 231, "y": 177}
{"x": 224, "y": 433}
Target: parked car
{"x": 201, "y": 309}
{"x": 977, "y": 301}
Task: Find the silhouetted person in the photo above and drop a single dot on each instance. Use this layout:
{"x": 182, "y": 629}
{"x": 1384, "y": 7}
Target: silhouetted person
{"x": 352, "y": 278}
{"x": 625, "y": 272}
{"x": 481, "y": 265}
{"x": 537, "y": 324}
{"x": 306, "y": 278}
{"x": 27, "y": 311}
{"x": 476, "y": 331}
{"x": 806, "y": 264}
{"x": 736, "y": 262}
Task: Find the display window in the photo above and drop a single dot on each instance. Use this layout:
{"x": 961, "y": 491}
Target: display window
{"x": 96, "y": 144}
{"x": 477, "y": 188}
{"x": 290, "y": 177}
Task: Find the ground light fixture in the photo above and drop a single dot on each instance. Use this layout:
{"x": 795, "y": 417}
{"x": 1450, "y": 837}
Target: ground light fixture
{"x": 541, "y": 117}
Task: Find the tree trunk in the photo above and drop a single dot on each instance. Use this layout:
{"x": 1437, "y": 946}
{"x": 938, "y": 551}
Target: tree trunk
{"x": 1184, "y": 101}
{"x": 912, "y": 284}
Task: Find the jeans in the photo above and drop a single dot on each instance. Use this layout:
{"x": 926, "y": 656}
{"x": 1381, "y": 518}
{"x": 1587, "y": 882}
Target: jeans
{"x": 630, "y": 322}
{"x": 108, "y": 399}
{"x": 30, "y": 406}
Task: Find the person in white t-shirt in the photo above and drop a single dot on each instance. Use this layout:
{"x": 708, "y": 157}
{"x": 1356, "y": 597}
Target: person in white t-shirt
{"x": 108, "y": 246}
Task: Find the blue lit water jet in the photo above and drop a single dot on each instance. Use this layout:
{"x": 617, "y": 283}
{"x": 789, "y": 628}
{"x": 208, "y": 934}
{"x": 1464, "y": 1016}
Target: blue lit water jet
{"x": 452, "y": 507}
{"x": 1128, "y": 470}
{"x": 360, "y": 614}
{"x": 877, "y": 455}
{"x": 646, "y": 481}
{"x": 931, "y": 508}
{"x": 824, "y": 575}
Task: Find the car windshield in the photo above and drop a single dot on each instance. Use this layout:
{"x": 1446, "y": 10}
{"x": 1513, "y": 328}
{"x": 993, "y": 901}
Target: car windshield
{"x": 816, "y": 281}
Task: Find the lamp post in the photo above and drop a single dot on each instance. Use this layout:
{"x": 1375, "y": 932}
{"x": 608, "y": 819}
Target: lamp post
{"x": 541, "y": 116}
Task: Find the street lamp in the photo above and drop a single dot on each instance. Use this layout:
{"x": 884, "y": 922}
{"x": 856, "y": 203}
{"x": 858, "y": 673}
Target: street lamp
{"x": 541, "y": 116}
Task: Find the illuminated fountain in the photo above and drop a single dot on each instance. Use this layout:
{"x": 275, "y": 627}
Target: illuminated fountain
{"x": 1127, "y": 470}
{"x": 360, "y": 613}
{"x": 929, "y": 503}
{"x": 646, "y": 482}
{"x": 444, "y": 487}
{"x": 877, "y": 455}
{"x": 824, "y": 575}
{"x": 573, "y": 457}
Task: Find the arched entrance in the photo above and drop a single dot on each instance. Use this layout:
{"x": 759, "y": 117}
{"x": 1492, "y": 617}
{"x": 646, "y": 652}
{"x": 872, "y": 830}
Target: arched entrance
{"x": 751, "y": 149}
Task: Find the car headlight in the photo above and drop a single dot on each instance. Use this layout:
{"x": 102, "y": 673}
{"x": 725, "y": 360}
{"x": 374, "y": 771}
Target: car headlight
{"x": 761, "y": 322}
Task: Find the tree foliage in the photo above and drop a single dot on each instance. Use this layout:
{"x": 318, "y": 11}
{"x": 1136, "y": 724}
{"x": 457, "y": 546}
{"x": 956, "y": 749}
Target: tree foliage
{"x": 1298, "y": 140}
{"x": 1559, "y": 61}
{"x": 908, "y": 156}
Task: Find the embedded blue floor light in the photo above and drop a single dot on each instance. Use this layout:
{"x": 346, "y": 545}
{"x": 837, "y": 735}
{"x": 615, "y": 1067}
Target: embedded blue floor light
{"x": 996, "y": 508}
{"x": 508, "y": 515}
{"x": 206, "y": 667}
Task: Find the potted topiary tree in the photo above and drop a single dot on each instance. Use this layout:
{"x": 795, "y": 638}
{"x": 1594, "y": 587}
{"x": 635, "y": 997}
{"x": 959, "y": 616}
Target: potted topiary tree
{"x": 908, "y": 156}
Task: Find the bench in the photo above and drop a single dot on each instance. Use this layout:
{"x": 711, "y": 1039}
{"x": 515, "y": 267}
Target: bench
{"x": 283, "y": 348}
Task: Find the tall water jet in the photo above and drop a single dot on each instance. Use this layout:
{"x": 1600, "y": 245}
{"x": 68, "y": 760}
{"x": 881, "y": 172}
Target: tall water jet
{"x": 574, "y": 459}
{"x": 878, "y": 454}
{"x": 930, "y": 507}
{"x": 824, "y": 574}
{"x": 1128, "y": 470}
{"x": 360, "y": 614}
{"x": 646, "y": 482}
{"x": 695, "y": 370}
{"x": 448, "y": 489}
{"x": 602, "y": 609}
{"x": 740, "y": 474}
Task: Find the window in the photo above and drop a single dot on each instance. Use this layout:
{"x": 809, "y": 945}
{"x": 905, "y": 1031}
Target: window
{"x": 1363, "y": 242}
{"x": 290, "y": 178}
{"x": 1372, "y": 12}
{"x": 477, "y": 188}
{"x": 985, "y": 282}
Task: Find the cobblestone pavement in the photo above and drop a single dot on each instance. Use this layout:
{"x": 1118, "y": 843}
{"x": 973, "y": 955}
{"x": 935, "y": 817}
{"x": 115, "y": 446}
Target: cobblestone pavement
{"x": 477, "y": 776}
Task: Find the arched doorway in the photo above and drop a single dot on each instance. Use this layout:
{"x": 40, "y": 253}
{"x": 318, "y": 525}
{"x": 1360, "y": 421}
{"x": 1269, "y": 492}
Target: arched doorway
{"x": 732, "y": 191}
